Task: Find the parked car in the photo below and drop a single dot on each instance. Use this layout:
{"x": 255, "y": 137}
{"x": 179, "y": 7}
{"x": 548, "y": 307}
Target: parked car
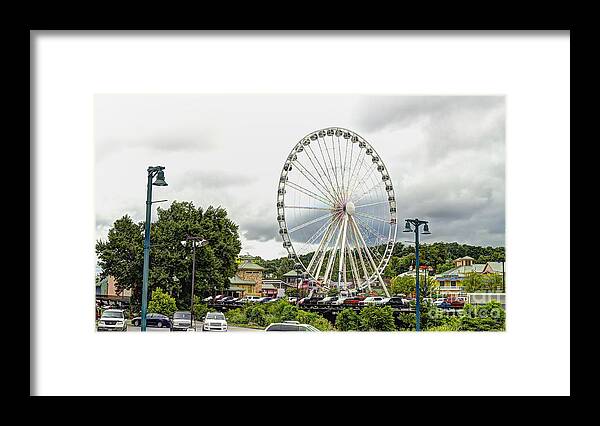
{"x": 338, "y": 301}
{"x": 112, "y": 320}
{"x": 264, "y": 299}
{"x": 290, "y": 326}
{"x": 292, "y": 299}
{"x": 311, "y": 301}
{"x": 397, "y": 302}
{"x": 355, "y": 301}
{"x": 214, "y": 321}
{"x": 250, "y": 299}
{"x": 444, "y": 305}
{"x": 327, "y": 300}
{"x": 182, "y": 320}
{"x": 457, "y": 304}
{"x": 225, "y": 299}
{"x": 207, "y": 299}
{"x": 153, "y": 320}
{"x": 230, "y": 300}
{"x": 373, "y": 300}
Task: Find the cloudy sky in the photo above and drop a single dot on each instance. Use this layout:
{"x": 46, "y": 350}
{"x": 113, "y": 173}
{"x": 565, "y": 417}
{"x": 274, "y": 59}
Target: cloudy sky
{"x": 445, "y": 156}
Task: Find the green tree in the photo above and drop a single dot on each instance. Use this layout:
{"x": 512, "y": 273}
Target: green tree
{"x": 402, "y": 285}
{"x": 171, "y": 263}
{"x": 472, "y": 283}
{"x": 443, "y": 267}
{"x": 162, "y": 303}
{"x": 333, "y": 291}
{"x": 377, "y": 318}
{"x": 122, "y": 256}
{"x": 347, "y": 320}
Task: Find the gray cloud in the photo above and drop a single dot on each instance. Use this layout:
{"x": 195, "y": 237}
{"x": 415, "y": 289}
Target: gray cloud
{"x": 445, "y": 155}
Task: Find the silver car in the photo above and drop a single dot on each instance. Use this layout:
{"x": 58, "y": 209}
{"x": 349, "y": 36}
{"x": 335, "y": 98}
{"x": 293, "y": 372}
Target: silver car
{"x": 112, "y": 320}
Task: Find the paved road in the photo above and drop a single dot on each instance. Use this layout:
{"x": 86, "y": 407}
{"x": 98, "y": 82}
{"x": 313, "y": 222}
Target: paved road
{"x": 199, "y": 329}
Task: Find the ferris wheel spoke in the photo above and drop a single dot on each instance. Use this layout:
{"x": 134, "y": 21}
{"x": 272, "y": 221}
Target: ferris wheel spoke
{"x": 324, "y": 169}
{"x": 341, "y": 167}
{"x": 330, "y": 190}
{"x": 371, "y": 204}
{"x": 314, "y": 182}
{"x": 367, "y": 192}
{"x": 379, "y": 240}
{"x": 368, "y": 216}
{"x": 333, "y": 169}
{"x": 357, "y": 183}
{"x": 308, "y": 208}
{"x": 310, "y": 222}
{"x": 309, "y": 193}
{"x": 353, "y": 170}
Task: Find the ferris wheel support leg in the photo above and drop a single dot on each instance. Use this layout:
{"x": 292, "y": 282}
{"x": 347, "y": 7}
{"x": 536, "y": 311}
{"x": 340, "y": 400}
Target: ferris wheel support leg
{"x": 342, "y": 264}
{"x": 353, "y": 266}
{"x": 387, "y": 293}
{"x": 315, "y": 256}
{"x": 358, "y": 249}
{"x": 324, "y": 253}
{"x": 328, "y": 270}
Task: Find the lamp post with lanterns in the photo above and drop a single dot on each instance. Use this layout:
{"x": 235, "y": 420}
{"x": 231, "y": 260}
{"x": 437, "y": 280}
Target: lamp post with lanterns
{"x": 196, "y": 242}
{"x": 153, "y": 171}
{"x": 416, "y": 223}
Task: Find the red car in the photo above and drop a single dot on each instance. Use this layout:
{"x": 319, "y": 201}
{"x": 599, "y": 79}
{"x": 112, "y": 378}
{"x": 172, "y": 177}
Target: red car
{"x": 354, "y": 300}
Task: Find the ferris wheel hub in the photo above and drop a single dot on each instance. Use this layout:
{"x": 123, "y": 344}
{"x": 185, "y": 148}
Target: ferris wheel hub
{"x": 349, "y": 208}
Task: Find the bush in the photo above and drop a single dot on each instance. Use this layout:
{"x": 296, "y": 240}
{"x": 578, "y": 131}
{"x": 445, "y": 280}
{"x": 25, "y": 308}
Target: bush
{"x": 406, "y": 321}
{"x": 489, "y": 317}
{"x": 377, "y": 318}
{"x": 162, "y": 303}
{"x": 200, "y": 309}
{"x": 450, "y": 323}
{"x": 347, "y": 320}
{"x": 236, "y": 316}
{"x": 314, "y": 319}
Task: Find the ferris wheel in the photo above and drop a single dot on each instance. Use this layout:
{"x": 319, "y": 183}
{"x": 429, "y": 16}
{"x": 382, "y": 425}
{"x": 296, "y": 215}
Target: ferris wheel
{"x": 336, "y": 210}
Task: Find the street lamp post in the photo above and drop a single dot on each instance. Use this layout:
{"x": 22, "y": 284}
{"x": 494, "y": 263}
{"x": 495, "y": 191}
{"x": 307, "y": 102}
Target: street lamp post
{"x": 196, "y": 241}
{"x": 407, "y": 228}
{"x": 153, "y": 171}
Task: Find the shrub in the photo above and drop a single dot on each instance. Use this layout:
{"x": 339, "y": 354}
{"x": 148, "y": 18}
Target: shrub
{"x": 236, "y": 316}
{"x": 347, "y": 320}
{"x": 200, "y": 309}
{"x": 377, "y": 318}
{"x": 162, "y": 303}
{"x": 314, "y": 319}
{"x": 488, "y": 317}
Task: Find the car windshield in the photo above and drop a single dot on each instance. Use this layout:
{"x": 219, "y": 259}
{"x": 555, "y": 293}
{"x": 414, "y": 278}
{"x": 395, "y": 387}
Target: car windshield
{"x": 215, "y": 316}
{"x": 182, "y": 315}
{"x": 112, "y": 314}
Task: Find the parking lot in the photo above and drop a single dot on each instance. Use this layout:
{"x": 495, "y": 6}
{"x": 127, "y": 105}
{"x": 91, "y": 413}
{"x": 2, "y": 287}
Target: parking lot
{"x": 198, "y": 329}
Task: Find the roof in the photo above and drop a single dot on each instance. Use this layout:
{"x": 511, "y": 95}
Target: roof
{"x": 292, "y": 273}
{"x": 462, "y": 270}
{"x": 496, "y": 266}
{"x": 249, "y": 266}
{"x": 268, "y": 286}
{"x": 235, "y": 288}
{"x": 235, "y": 280}
{"x": 464, "y": 258}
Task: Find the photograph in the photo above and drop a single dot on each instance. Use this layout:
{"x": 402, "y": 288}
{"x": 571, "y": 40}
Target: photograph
{"x": 245, "y": 213}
